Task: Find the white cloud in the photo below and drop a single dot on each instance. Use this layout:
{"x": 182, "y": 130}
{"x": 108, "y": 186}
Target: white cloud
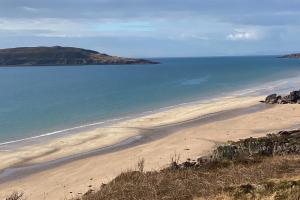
{"x": 241, "y": 34}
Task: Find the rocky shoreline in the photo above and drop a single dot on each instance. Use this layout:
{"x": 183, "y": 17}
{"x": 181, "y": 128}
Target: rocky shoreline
{"x": 292, "y": 98}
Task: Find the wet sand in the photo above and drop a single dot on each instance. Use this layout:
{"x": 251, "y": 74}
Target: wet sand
{"x": 146, "y": 136}
{"x": 119, "y": 132}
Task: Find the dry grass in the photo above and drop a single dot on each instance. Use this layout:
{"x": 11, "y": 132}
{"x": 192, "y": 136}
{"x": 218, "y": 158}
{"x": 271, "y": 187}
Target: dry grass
{"x": 141, "y": 165}
{"x": 15, "y": 196}
{"x": 206, "y": 182}
{"x": 272, "y": 189}
{"x": 253, "y": 168}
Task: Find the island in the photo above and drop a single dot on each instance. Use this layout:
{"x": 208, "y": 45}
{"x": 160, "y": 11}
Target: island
{"x": 57, "y": 55}
{"x": 294, "y": 55}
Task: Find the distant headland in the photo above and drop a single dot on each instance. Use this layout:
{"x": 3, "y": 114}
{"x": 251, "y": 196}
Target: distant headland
{"x": 57, "y": 55}
{"x": 294, "y": 55}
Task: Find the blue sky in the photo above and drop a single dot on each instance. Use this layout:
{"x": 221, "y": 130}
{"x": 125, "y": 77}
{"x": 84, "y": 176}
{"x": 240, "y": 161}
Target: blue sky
{"x": 155, "y": 28}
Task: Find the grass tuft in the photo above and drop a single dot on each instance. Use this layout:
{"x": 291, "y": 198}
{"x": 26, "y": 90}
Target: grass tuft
{"x": 16, "y": 196}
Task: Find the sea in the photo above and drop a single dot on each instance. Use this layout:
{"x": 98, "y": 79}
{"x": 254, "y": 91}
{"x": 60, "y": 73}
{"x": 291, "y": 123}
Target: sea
{"x": 39, "y": 101}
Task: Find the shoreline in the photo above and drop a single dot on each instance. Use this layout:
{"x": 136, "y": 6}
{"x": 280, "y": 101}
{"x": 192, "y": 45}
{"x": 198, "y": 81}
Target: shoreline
{"x": 75, "y": 178}
{"x": 280, "y": 86}
{"x": 101, "y": 137}
{"x": 147, "y": 136}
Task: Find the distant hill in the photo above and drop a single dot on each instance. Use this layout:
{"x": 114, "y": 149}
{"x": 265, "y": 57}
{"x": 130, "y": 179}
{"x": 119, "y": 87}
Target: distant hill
{"x": 294, "y": 55}
{"x": 57, "y": 55}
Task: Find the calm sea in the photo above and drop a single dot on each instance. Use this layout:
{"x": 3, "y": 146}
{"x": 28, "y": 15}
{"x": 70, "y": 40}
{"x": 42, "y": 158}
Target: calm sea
{"x": 40, "y": 100}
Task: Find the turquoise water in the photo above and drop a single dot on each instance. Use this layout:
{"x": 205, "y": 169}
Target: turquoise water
{"x": 39, "y": 100}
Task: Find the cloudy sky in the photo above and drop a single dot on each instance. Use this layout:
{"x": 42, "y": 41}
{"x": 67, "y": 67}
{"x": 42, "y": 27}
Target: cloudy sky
{"x": 154, "y": 28}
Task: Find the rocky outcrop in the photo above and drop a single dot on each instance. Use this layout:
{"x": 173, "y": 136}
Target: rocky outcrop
{"x": 292, "y": 98}
{"x": 281, "y": 143}
{"x": 42, "y": 56}
{"x": 273, "y": 98}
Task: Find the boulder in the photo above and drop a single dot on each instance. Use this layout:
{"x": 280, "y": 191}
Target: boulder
{"x": 271, "y": 99}
{"x": 293, "y": 97}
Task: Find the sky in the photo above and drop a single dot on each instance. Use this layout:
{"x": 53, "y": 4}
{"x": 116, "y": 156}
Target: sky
{"x": 155, "y": 28}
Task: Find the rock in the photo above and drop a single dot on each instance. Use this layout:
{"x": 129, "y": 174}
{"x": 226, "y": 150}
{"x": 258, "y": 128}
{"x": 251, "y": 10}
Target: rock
{"x": 204, "y": 159}
{"x": 279, "y": 98}
{"x": 174, "y": 166}
{"x": 188, "y": 164}
{"x": 227, "y": 152}
{"x": 284, "y": 142}
{"x": 292, "y": 98}
{"x": 271, "y": 99}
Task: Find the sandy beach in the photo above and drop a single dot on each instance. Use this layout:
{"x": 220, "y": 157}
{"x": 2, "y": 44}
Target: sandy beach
{"x": 108, "y": 135}
{"x": 184, "y": 135}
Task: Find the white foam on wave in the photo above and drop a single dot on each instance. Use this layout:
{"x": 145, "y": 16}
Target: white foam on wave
{"x": 62, "y": 131}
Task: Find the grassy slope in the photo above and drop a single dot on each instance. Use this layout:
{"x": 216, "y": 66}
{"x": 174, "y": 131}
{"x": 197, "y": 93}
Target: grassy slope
{"x": 263, "y": 168}
{"x": 235, "y": 181}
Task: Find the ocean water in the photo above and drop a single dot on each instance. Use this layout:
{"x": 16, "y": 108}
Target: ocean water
{"x": 45, "y": 100}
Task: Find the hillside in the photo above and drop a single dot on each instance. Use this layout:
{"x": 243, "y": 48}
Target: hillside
{"x": 43, "y": 56}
